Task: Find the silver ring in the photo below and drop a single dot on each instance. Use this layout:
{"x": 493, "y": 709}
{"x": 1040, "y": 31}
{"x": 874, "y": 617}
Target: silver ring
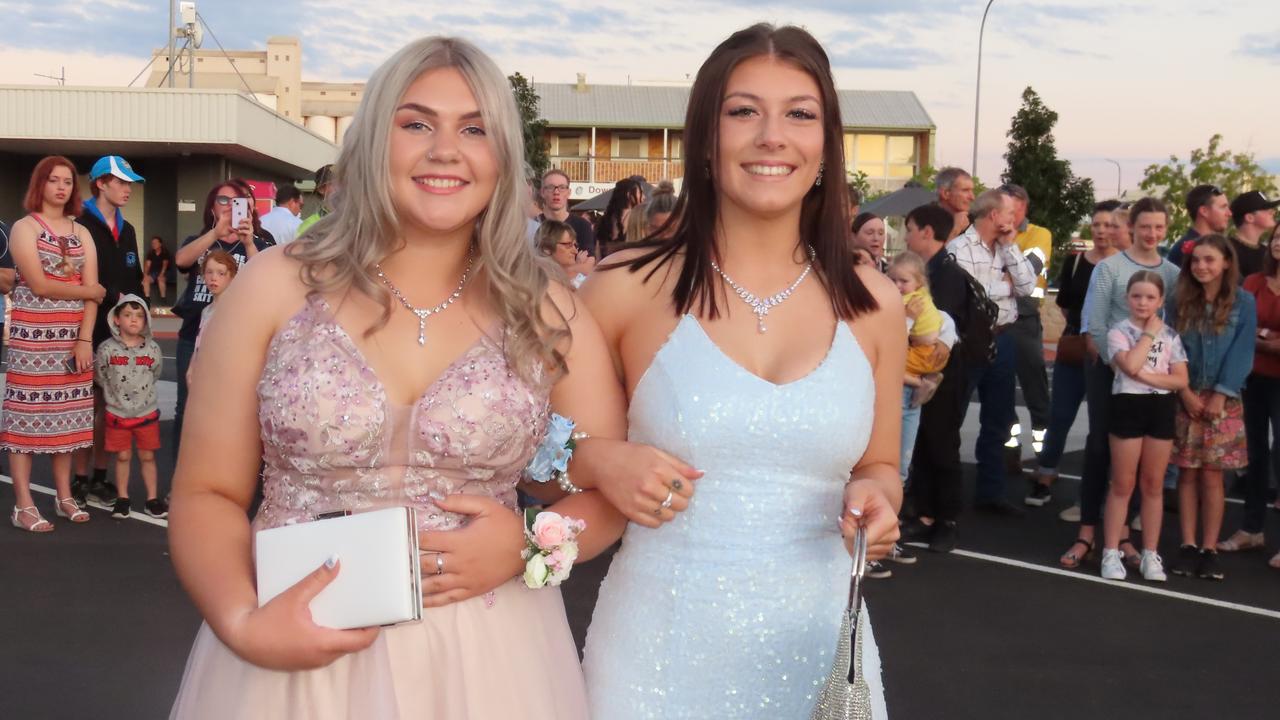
{"x": 439, "y": 564}
{"x": 677, "y": 484}
{"x": 667, "y": 503}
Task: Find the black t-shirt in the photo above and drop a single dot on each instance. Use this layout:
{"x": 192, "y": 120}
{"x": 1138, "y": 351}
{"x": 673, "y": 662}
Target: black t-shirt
{"x": 1073, "y": 285}
{"x": 6, "y": 259}
{"x": 157, "y": 258}
{"x": 197, "y": 296}
{"x": 1250, "y": 258}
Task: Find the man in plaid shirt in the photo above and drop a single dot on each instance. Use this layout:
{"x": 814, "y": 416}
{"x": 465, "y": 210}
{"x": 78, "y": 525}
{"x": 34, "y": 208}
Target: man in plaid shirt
{"x": 989, "y": 253}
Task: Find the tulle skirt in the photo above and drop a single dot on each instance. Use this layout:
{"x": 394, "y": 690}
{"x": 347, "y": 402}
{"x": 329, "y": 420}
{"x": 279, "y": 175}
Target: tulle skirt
{"x": 464, "y": 661}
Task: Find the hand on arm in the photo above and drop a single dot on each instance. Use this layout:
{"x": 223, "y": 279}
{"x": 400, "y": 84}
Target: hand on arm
{"x": 214, "y": 482}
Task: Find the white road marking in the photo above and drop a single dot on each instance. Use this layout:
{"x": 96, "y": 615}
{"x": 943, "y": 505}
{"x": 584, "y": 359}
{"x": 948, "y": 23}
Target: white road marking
{"x": 1133, "y": 586}
{"x": 133, "y": 514}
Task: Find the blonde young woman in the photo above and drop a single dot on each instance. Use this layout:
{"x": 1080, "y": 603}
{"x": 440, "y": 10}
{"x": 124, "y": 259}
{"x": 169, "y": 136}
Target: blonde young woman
{"x": 316, "y": 366}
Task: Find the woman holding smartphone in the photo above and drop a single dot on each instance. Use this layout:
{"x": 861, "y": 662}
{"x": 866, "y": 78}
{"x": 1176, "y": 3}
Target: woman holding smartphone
{"x": 242, "y": 240}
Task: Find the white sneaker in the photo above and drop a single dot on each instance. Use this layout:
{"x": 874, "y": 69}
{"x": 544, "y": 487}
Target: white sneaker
{"x": 1071, "y": 514}
{"x": 1112, "y": 565}
{"x": 1152, "y": 567}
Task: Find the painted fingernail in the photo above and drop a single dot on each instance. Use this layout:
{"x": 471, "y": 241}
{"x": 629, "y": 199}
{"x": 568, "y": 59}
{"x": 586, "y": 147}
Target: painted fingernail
{"x": 855, "y": 511}
{"x": 332, "y": 562}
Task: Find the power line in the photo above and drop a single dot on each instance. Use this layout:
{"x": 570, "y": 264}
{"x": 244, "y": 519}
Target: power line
{"x": 224, "y": 54}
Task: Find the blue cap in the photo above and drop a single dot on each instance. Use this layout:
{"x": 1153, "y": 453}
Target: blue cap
{"x": 114, "y": 165}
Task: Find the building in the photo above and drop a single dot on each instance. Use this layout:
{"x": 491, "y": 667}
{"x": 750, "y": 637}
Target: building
{"x": 599, "y": 134}
{"x": 183, "y": 141}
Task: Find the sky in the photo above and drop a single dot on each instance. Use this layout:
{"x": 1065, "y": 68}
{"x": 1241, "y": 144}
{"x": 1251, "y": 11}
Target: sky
{"x": 1133, "y": 81}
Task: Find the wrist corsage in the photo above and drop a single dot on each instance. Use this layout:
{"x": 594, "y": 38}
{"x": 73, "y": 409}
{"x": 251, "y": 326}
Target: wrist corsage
{"x": 550, "y": 547}
{"x": 551, "y": 460}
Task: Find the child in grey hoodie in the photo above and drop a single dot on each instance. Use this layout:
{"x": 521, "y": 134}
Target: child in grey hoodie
{"x": 127, "y": 367}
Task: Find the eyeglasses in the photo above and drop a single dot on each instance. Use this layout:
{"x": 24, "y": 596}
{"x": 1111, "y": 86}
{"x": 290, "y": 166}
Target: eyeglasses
{"x": 555, "y": 188}
{"x": 567, "y": 244}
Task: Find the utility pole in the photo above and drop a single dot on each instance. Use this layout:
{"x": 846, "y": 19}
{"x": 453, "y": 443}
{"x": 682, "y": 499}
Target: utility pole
{"x": 171, "y": 29}
{"x": 1113, "y": 162}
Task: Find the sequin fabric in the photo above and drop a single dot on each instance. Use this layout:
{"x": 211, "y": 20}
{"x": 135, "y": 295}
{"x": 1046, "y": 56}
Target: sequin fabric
{"x": 733, "y": 610}
{"x": 333, "y": 441}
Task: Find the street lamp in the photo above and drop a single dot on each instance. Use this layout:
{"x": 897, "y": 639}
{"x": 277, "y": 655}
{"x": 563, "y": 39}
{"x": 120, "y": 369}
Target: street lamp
{"x": 977, "y": 92}
{"x": 1113, "y": 162}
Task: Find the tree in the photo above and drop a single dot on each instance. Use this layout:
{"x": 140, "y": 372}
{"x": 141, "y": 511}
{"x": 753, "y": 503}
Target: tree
{"x": 1233, "y": 172}
{"x": 1059, "y": 200}
{"x": 535, "y": 129}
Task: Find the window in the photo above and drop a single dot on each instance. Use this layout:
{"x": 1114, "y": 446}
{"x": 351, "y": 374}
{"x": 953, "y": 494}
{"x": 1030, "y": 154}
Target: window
{"x": 630, "y": 145}
{"x": 677, "y": 146}
{"x": 569, "y": 144}
{"x": 882, "y": 156}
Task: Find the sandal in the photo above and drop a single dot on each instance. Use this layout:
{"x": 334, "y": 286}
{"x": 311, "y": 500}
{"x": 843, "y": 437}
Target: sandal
{"x": 67, "y": 508}
{"x": 29, "y": 519}
{"x": 1132, "y": 558}
{"x": 1242, "y": 540}
{"x": 1072, "y": 560}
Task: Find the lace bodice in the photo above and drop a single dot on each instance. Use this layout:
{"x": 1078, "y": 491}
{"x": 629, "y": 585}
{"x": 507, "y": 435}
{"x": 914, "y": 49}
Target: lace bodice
{"x": 332, "y": 440}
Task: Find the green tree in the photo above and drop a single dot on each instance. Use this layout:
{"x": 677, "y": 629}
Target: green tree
{"x": 535, "y": 128}
{"x": 1059, "y": 200}
{"x": 1214, "y": 165}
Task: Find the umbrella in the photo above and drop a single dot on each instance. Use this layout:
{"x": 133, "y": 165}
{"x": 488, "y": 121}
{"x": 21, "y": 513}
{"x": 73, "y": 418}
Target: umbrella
{"x": 900, "y": 202}
{"x": 601, "y": 201}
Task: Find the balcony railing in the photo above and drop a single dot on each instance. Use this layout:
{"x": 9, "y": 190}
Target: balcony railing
{"x": 592, "y": 170}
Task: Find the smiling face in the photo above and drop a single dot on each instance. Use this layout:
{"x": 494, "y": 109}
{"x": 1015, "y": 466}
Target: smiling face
{"x": 57, "y": 189}
{"x": 443, "y": 167}
{"x": 1144, "y": 300}
{"x": 1149, "y": 230}
{"x": 770, "y": 142}
{"x": 871, "y": 237}
{"x": 1207, "y": 263}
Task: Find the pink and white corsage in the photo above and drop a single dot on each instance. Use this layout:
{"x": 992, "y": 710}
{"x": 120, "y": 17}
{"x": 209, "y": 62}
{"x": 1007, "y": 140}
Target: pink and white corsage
{"x": 551, "y": 547}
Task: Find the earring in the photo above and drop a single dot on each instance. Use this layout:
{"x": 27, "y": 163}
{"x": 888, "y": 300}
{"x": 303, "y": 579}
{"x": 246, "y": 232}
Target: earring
{"x": 818, "y": 181}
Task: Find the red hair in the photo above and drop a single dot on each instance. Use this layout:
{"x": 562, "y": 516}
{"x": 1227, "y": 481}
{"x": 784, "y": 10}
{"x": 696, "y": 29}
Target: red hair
{"x": 34, "y": 201}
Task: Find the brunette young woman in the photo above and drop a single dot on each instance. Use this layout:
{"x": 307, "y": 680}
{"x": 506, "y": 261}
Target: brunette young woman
{"x": 752, "y": 349}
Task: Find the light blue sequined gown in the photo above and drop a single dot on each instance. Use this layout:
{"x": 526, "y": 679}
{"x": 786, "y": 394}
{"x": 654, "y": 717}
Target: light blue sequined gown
{"x": 733, "y": 609}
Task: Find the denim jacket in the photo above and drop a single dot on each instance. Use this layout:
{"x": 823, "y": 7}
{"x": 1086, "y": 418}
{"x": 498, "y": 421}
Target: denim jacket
{"x": 1220, "y": 361}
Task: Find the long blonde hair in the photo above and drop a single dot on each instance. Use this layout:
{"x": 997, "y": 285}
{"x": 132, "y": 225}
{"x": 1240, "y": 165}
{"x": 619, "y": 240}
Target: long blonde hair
{"x": 363, "y": 227}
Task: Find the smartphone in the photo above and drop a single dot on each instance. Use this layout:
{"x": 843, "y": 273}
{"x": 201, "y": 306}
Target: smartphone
{"x": 239, "y": 211}
{"x": 71, "y": 365}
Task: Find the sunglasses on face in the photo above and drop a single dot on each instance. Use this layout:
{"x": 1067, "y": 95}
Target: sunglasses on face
{"x": 224, "y": 199}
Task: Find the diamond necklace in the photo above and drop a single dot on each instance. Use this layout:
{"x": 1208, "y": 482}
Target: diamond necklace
{"x": 424, "y": 313}
{"x": 762, "y": 306}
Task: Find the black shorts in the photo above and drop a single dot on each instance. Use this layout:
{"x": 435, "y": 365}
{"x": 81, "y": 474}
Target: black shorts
{"x": 1148, "y": 415}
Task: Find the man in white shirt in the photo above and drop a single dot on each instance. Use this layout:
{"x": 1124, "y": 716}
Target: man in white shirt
{"x": 283, "y": 220}
{"x": 988, "y": 252}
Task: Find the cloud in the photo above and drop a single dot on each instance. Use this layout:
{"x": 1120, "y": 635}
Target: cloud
{"x": 878, "y": 56}
{"x": 1263, "y": 46}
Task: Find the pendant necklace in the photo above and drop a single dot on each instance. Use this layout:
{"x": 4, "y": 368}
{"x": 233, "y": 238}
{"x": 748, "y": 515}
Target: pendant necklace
{"x": 762, "y": 305}
{"x": 424, "y": 313}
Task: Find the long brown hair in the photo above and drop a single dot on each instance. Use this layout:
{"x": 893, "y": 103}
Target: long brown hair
{"x": 824, "y": 215}
{"x": 34, "y": 201}
{"x": 1194, "y": 311}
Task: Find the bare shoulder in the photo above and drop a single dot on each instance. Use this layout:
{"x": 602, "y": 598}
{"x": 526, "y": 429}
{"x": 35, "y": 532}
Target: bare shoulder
{"x": 615, "y": 292}
{"x": 270, "y": 285}
{"x": 886, "y": 325}
{"x": 883, "y": 290}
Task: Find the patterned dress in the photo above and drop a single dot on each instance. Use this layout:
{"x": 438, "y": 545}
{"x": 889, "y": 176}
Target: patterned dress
{"x": 46, "y": 408}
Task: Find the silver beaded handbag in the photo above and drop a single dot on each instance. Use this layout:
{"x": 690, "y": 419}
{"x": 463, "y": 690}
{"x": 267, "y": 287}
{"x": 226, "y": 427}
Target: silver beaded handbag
{"x": 846, "y": 695}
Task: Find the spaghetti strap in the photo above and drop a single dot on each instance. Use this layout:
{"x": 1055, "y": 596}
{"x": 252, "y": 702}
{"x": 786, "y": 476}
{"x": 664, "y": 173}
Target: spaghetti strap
{"x": 49, "y": 230}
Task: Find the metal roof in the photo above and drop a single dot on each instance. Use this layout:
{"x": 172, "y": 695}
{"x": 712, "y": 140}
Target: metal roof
{"x": 656, "y": 106}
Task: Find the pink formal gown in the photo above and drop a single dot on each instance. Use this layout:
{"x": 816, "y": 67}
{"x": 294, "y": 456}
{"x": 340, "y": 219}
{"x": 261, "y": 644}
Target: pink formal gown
{"x": 332, "y": 441}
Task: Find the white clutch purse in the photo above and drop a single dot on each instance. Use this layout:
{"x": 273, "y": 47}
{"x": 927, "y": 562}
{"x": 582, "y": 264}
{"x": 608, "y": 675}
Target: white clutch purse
{"x": 379, "y": 579}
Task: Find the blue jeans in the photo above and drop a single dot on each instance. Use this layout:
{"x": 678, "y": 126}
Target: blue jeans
{"x": 186, "y": 348}
{"x": 995, "y": 386}
{"x": 910, "y": 428}
{"x": 1068, "y": 393}
{"x": 1261, "y": 408}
